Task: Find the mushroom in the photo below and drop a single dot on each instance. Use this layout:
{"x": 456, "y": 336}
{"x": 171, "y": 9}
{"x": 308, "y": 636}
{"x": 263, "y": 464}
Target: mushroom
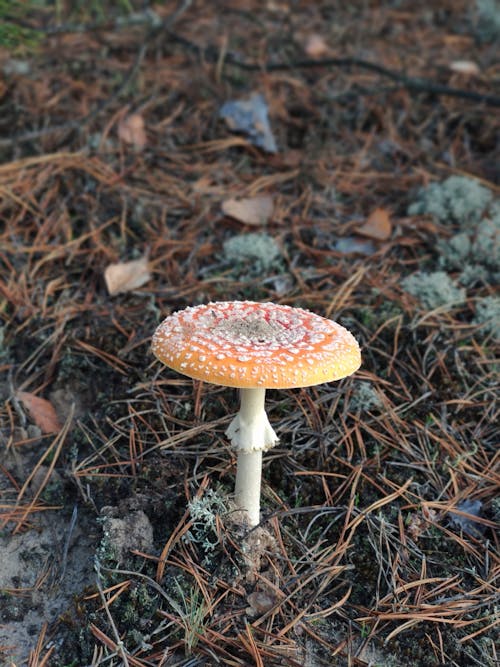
{"x": 254, "y": 347}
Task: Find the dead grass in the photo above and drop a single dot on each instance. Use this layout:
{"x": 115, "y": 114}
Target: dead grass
{"x": 379, "y": 557}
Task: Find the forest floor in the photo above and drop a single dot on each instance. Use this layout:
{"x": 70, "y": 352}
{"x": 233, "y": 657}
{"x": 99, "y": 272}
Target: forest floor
{"x": 339, "y": 157}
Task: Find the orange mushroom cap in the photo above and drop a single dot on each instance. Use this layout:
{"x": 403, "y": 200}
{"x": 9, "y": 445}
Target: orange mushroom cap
{"x": 247, "y": 345}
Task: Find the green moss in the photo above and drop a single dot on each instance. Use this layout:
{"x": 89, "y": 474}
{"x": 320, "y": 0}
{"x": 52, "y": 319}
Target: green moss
{"x": 14, "y": 34}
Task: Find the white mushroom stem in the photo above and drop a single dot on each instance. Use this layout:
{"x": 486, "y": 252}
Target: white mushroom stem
{"x": 250, "y": 433}
{"x": 247, "y": 487}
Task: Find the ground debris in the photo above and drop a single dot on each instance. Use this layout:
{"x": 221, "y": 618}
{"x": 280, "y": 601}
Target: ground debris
{"x": 251, "y": 118}
{"x": 353, "y": 172}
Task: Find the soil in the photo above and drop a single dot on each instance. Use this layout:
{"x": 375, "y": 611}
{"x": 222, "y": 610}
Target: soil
{"x": 52, "y": 566}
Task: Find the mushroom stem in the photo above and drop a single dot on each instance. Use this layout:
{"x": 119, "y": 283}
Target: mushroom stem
{"x": 250, "y": 433}
{"x": 247, "y": 486}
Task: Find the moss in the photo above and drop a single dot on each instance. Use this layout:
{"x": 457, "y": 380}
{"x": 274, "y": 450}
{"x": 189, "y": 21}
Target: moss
{"x": 434, "y": 290}
{"x": 14, "y": 36}
{"x": 457, "y": 200}
{"x": 137, "y": 607}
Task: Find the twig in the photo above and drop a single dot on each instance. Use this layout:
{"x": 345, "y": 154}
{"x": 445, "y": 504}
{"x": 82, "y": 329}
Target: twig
{"x": 221, "y": 56}
{"x": 120, "y": 647}
{"x": 416, "y": 84}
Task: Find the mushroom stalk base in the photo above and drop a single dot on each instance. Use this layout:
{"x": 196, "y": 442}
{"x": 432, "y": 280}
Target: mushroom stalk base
{"x": 247, "y": 487}
{"x": 250, "y": 433}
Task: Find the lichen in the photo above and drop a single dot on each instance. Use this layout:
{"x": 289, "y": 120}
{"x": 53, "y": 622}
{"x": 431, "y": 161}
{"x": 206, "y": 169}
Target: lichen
{"x": 486, "y": 245}
{"x": 259, "y": 252}
{"x": 364, "y": 397}
{"x": 434, "y": 290}
{"x": 455, "y": 251}
{"x": 204, "y": 511}
{"x": 458, "y": 200}
{"x": 475, "y": 253}
{"x": 488, "y": 20}
{"x": 488, "y": 315}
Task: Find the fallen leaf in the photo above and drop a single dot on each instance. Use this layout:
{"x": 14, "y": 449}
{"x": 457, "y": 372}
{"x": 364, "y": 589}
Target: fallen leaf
{"x": 467, "y": 523}
{"x": 418, "y": 522}
{"x": 252, "y": 211}
{"x": 377, "y": 226}
{"x": 127, "y": 276}
{"x": 465, "y": 67}
{"x": 260, "y": 602}
{"x": 131, "y": 130}
{"x": 315, "y": 46}
{"x": 251, "y": 117}
{"x": 41, "y": 411}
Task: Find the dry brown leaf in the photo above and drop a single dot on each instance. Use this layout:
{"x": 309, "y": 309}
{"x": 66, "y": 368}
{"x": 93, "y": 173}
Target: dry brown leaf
{"x": 127, "y": 276}
{"x": 41, "y": 411}
{"x": 260, "y": 602}
{"x": 252, "y": 211}
{"x": 377, "y": 226}
{"x": 465, "y": 67}
{"x": 131, "y": 130}
{"x": 315, "y": 46}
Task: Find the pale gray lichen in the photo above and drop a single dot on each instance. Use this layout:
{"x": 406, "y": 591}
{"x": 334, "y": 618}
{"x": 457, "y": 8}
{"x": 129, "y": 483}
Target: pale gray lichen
{"x": 455, "y": 251}
{"x": 434, "y": 290}
{"x": 488, "y": 315}
{"x": 365, "y": 397}
{"x": 204, "y": 511}
{"x": 486, "y": 245}
{"x": 458, "y": 200}
{"x": 488, "y": 20}
{"x": 475, "y": 253}
{"x": 259, "y": 252}
{"x": 473, "y": 274}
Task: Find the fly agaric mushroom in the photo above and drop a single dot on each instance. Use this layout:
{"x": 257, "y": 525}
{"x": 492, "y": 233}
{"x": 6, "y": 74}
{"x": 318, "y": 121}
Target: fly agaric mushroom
{"x": 254, "y": 347}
